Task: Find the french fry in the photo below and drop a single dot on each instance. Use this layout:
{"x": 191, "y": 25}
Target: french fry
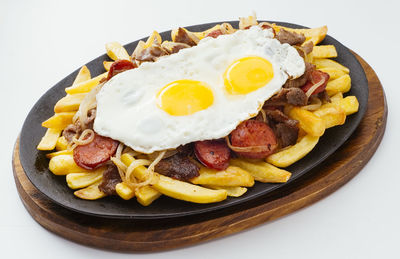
{"x": 188, "y": 192}
{"x": 232, "y": 191}
{"x": 86, "y": 86}
{"x": 139, "y": 48}
{"x": 116, "y": 51}
{"x": 178, "y": 189}
{"x": 146, "y": 195}
{"x": 294, "y": 153}
{"x": 316, "y": 35}
{"x": 154, "y": 38}
{"x": 49, "y": 140}
{"x": 65, "y": 164}
{"x": 308, "y": 121}
{"x": 81, "y": 180}
{"x": 83, "y": 75}
{"x": 331, "y": 114}
{"x": 62, "y": 118}
{"x": 309, "y": 57}
{"x": 61, "y": 144}
{"x": 329, "y": 63}
{"x": 107, "y": 65}
{"x": 337, "y": 97}
{"x": 349, "y": 104}
{"x": 231, "y": 176}
{"x": 59, "y": 120}
{"x": 261, "y": 171}
{"x": 57, "y": 153}
{"x": 92, "y": 192}
{"x": 333, "y": 72}
{"x": 69, "y": 103}
{"x": 124, "y": 191}
{"x": 139, "y": 172}
{"x": 341, "y": 84}
{"x": 324, "y": 51}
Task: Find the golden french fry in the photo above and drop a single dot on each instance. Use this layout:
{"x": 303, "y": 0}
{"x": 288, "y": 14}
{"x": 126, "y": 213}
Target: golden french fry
{"x": 139, "y": 172}
{"x": 188, "y": 192}
{"x": 81, "y": 180}
{"x": 92, "y": 192}
{"x": 324, "y": 51}
{"x": 62, "y": 117}
{"x": 349, "y": 105}
{"x": 139, "y": 48}
{"x": 232, "y": 191}
{"x": 57, "y": 153}
{"x": 341, "y": 84}
{"x": 155, "y": 38}
{"x": 337, "y": 97}
{"x": 61, "y": 144}
{"x": 231, "y": 176}
{"x": 333, "y": 72}
{"x": 49, "y": 140}
{"x": 83, "y": 75}
{"x": 116, "y": 51}
{"x": 69, "y": 103}
{"x": 329, "y": 63}
{"x": 124, "y": 191}
{"x": 331, "y": 114}
{"x": 86, "y": 86}
{"x": 316, "y": 35}
{"x": 308, "y": 121}
{"x": 261, "y": 171}
{"x": 146, "y": 195}
{"x": 65, "y": 164}
{"x": 177, "y": 189}
{"x": 59, "y": 120}
{"x": 309, "y": 57}
{"x": 294, "y": 153}
{"x": 107, "y": 65}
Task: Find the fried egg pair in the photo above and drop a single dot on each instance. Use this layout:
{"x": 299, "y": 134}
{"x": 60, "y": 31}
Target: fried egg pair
{"x": 199, "y": 93}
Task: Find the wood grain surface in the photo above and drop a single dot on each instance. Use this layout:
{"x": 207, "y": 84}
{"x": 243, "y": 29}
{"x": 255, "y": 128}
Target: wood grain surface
{"x": 155, "y": 235}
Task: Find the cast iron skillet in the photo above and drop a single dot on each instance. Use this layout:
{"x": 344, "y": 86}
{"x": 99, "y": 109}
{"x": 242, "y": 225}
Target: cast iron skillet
{"x": 54, "y": 187}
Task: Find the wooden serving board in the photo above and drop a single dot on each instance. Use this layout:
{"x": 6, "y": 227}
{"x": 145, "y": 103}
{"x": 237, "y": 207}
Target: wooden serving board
{"x": 163, "y": 234}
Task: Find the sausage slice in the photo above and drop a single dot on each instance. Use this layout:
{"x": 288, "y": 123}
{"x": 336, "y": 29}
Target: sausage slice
{"x": 257, "y": 136}
{"x": 316, "y": 76}
{"x": 120, "y": 66}
{"x": 96, "y": 153}
{"x": 214, "y": 154}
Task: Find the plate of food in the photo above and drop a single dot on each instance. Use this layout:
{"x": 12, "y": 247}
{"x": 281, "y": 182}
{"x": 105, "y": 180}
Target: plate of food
{"x": 193, "y": 120}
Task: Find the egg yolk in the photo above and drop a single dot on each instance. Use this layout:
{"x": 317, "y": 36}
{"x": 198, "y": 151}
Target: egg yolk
{"x": 247, "y": 74}
{"x": 185, "y": 97}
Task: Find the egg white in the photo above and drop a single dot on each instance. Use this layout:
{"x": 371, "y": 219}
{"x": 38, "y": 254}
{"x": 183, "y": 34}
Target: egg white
{"x": 127, "y": 109}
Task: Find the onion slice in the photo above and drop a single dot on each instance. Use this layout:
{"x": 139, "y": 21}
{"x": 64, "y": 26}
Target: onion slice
{"x": 255, "y": 149}
{"x": 314, "y": 105}
{"x": 314, "y": 87}
{"x": 89, "y": 102}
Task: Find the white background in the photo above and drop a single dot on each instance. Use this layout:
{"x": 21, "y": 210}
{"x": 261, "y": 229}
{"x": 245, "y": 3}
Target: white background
{"x": 43, "y": 41}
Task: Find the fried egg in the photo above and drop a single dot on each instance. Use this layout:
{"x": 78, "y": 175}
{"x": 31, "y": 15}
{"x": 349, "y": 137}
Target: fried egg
{"x": 199, "y": 93}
